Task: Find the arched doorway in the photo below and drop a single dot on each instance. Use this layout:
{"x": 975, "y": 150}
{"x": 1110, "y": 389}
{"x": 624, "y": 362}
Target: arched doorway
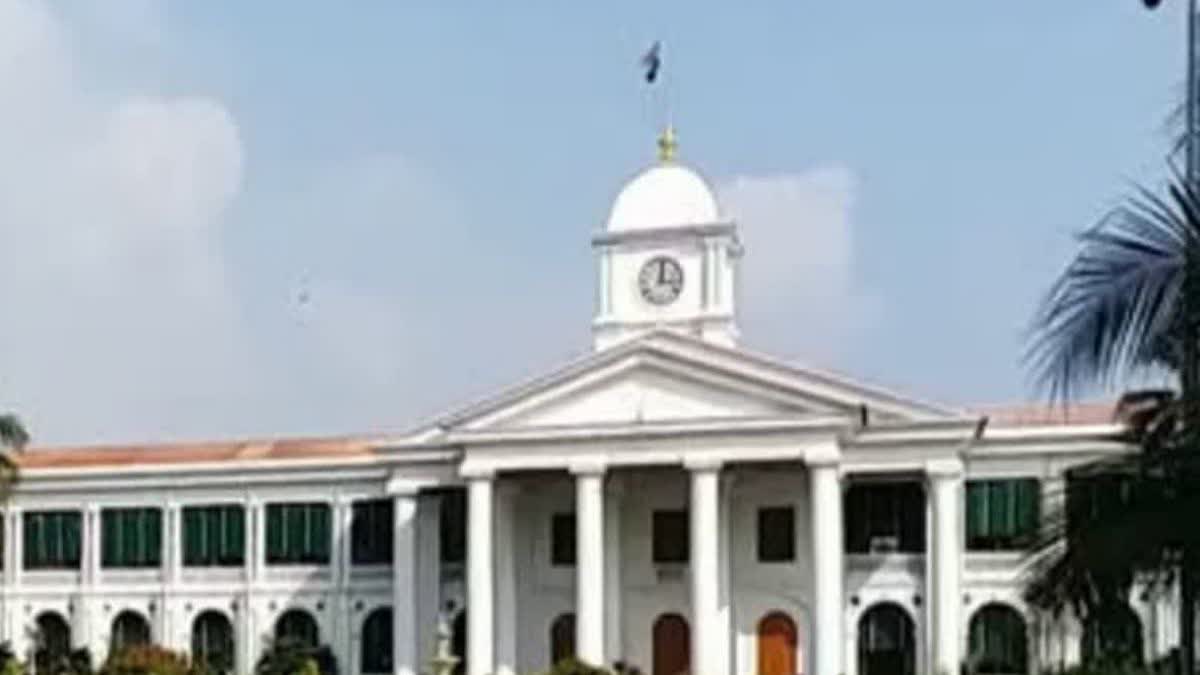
{"x": 459, "y": 642}
{"x": 562, "y": 638}
{"x": 672, "y": 645}
{"x": 212, "y": 642}
{"x": 129, "y": 629}
{"x": 298, "y": 627}
{"x": 998, "y": 641}
{"x": 376, "y": 651}
{"x": 1112, "y": 635}
{"x": 886, "y": 641}
{"x": 777, "y": 645}
{"x": 53, "y": 641}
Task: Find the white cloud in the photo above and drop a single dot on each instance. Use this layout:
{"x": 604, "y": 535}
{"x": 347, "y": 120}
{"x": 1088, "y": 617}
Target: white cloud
{"x": 799, "y": 297}
{"x": 113, "y": 288}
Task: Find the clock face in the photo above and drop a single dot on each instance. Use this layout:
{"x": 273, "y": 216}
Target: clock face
{"x": 661, "y": 280}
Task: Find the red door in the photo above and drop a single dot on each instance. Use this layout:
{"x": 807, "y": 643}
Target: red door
{"x": 776, "y": 645}
{"x": 672, "y": 645}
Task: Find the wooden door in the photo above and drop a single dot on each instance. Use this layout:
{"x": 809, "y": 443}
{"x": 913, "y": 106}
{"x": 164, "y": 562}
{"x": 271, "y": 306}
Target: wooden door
{"x": 776, "y": 645}
{"x": 672, "y": 645}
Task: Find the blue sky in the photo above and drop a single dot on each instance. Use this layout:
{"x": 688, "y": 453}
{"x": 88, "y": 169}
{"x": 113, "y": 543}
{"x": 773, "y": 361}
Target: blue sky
{"x": 428, "y": 175}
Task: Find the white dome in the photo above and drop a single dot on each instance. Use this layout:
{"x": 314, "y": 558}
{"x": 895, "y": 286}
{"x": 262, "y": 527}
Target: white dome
{"x": 667, "y": 195}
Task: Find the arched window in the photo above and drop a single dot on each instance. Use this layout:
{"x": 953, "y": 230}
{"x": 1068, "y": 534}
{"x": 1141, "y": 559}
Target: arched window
{"x": 886, "y": 641}
{"x": 298, "y": 627}
{"x": 376, "y": 651}
{"x": 998, "y": 641}
{"x": 53, "y": 641}
{"x": 777, "y": 645}
{"x": 672, "y": 645}
{"x": 1112, "y": 635}
{"x": 562, "y": 638}
{"x": 129, "y": 629}
{"x": 212, "y": 642}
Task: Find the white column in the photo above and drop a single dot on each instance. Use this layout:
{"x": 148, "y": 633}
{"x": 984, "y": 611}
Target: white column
{"x": 614, "y": 646}
{"x": 725, "y": 604}
{"x": 406, "y": 657}
{"x": 246, "y": 645}
{"x": 505, "y": 578}
{"x": 429, "y": 573}
{"x": 173, "y": 543}
{"x": 257, "y": 562}
{"x": 707, "y": 654}
{"x": 343, "y": 522}
{"x": 945, "y": 488}
{"x": 589, "y": 564}
{"x": 825, "y": 490}
{"x": 15, "y": 559}
{"x": 480, "y": 635}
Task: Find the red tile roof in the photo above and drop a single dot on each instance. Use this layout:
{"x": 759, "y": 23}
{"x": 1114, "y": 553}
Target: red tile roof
{"x": 1045, "y": 414}
{"x": 192, "y": 453}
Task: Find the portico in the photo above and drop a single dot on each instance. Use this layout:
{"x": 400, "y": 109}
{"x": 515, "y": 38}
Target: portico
{"x": 709, "y": 593}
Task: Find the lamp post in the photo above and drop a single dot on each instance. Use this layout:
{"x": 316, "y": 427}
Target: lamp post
{"x": 1191, "y": 109}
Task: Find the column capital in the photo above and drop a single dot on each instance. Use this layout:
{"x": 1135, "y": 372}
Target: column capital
{"x": 399, "y": 485}
{"x": 703, "y": 464}
{"x": 588, "y": 467}
{"x": 948, "y": 468}
{"x": 824, "y": 455}
{"x": 474, "y": 472}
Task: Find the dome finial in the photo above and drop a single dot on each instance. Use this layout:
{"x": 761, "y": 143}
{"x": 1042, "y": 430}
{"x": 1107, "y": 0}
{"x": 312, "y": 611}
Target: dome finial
{"x": 667, "y": 145}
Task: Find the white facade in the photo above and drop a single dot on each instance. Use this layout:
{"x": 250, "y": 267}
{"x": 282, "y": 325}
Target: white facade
{"x": 667, "y": 413}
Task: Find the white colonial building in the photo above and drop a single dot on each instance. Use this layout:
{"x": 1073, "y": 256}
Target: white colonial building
{"x": 669, "y": 500}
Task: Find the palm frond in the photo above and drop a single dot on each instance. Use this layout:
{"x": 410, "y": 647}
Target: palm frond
{"x": 1114, "y": 309}
{"x": 12, "y": 433}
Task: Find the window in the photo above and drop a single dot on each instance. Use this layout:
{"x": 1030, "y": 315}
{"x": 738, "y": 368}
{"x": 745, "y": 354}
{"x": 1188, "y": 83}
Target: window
{"x": 129, "y": 629}
{"x": 376, "y": 648}
{"x": 1002, "y": 514}
{"x": 214, "y": 536}
{"x": 298, "y": 534}
{"x": 53, "y": 642}
{"x": 212, "y": 642}
{"x": 671, "y": 540}
{"x": 452, "y": 525}
{"x": 371, "y": 533}
{"x": 562, "y": 638}
{"x": 52, "y": 540}
{"x": 997, "y": 641}
{"x": 131, "y": 537}
{"x": 885, "y": 518}
{"x": 299, "y": 628}
{"x": 776, "y": 534}
{"x": 562, "y": 539}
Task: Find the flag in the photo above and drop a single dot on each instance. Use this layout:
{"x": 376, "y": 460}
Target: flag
{"x": 652, "y": 60}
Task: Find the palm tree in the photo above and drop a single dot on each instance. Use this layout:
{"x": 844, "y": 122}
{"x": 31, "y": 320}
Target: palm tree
{"x": 13, "y": 437}
{"x": 1128, "y": 304}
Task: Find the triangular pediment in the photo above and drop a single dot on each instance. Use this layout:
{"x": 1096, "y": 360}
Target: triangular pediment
{"x": 666, "y": 377}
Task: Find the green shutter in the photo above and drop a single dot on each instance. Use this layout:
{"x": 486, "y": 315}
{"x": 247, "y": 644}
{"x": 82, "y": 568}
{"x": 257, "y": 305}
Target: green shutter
{"x": 976, "y": 510}
{"x": 192, "y": 536}
{"x": 71, "y": 542}
{"x": 155, "y": 540}
{"x": 32, "y": 540}
{"x": 297, "y": 532}
{"x": 1030, "y": 507}
{"x": 275, "y": 533}
{"x": 235, "y": 534}
{"x": 321, "y": 533}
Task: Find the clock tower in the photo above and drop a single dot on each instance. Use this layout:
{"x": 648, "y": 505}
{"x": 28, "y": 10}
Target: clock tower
{"x": 667, "y": 259}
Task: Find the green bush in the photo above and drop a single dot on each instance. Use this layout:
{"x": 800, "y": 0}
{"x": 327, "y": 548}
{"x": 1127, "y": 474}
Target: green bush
{"x": 287, "y": 657}
{"x": 74, "y": 662}
{"x": 148, "y": 660}
{"x": 573, "y": 666}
